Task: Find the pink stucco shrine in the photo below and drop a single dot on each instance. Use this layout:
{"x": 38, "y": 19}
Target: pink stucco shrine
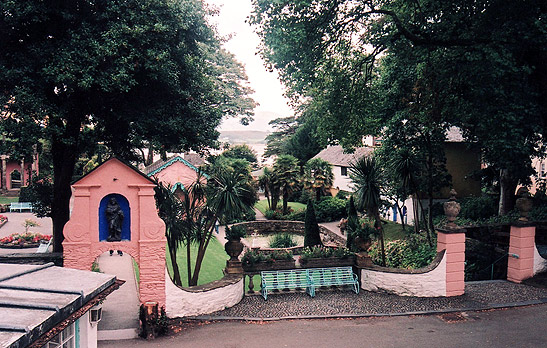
{"x": 143, "y": 236}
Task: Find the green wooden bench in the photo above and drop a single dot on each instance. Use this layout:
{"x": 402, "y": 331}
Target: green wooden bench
{"x": 333, "y": 276}
{"x": 309, "y": 279}
{"x": 286, "y": 279}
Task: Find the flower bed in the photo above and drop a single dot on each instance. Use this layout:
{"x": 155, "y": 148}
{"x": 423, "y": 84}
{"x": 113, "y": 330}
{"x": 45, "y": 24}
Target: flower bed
{"x": 254, "y": 261}
{"x": 23, "y": 240}
{"x": 326, "y": 257}
{"x": 3, "y": 220}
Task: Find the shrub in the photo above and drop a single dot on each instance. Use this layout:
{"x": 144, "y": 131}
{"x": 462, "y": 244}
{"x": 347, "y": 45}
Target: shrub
{"x": 330, "y": 209}
{"x": 281, "y": 255}
{"x": 282, "y": 240}
{"x": 295, "y": 216}
{"x": 311, "y": 228}
{"x": 342, "y": 194}
{"x": 478, "y": 208}
{"x": 273, "y": 215}
{"x": 409, "y": 253}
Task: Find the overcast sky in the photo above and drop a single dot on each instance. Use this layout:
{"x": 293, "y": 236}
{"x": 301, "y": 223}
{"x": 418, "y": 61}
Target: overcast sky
{"x": 243, "y": 44}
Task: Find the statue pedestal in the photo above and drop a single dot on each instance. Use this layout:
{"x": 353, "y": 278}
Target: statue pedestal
{"x": 233, "y": 267}
{"x": 363, "y": 260}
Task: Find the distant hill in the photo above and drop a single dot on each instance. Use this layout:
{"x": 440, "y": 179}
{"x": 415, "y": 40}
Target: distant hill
{"x": 243, "y": 136}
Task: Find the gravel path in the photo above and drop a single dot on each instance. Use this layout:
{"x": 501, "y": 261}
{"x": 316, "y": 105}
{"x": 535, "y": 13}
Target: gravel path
{"x": 478, "y": 295}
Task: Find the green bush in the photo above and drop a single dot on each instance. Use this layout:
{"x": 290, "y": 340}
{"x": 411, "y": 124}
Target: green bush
{"x": 409, "y": 253}
{"x": 282, "y": 240}
{"x": 273, "y": 215}
{"x": 478, "y": 208}
{"x": 235, "y": 232}
{"x": 330, "y": 209}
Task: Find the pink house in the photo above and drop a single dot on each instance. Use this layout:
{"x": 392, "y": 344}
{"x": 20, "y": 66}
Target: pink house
{"x": 175, "y": 171}
{"x": 15, "y": 174}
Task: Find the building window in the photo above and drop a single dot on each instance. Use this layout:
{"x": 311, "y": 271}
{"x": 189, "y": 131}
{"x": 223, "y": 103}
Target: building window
{"x": 65, "y": 339}
{"x": 344, "y": 171}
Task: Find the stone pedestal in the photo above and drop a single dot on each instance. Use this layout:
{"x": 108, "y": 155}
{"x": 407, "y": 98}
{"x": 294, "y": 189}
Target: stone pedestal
{"x": 452, "y": 240}
{"x": 233, "y": 267}
{"x": 520, "y": 263}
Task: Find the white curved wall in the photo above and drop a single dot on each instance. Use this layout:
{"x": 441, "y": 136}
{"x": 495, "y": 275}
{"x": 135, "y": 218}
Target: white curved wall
{"x": 540, "y": 264}
{"x": 430, "y": 284}
{"x": 181, "y": 303}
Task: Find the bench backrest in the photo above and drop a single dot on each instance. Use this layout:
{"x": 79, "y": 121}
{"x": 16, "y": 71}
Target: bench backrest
{"x": 331, "y": 275}
{"x": 286, "y": 278}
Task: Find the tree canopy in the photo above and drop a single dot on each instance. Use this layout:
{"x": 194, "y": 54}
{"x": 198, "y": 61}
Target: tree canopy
{"x": 128, "y": 74}
{"x": 368, "y": 67}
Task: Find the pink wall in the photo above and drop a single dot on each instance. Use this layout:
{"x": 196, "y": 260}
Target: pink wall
{"x": 10, "y": 167}
{"x": 147, "y": 244}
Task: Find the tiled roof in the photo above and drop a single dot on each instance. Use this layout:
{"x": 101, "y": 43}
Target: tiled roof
{"x": 335, "y": 155}
{"x": 162, "y": 164}
{"x": 195, "y": 159}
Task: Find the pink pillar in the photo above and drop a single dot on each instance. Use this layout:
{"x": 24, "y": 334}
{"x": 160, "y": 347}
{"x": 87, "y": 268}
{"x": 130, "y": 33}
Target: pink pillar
{"x": 520, "y": 264}
{"x": 453, "y": 242}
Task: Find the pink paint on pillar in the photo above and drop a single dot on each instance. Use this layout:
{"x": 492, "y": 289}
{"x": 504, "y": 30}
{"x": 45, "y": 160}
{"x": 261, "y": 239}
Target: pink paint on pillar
{"x": 452, "y": 240}
{"x": 142, "y": 232}
{"x": 520, "y": 264}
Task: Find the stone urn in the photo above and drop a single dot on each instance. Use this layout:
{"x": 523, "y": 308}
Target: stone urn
{"x": 452, "y": 209}
{"x": 523, "y": 203}
{"x": 362, "y": 243}
{"x": 233, "y": 248}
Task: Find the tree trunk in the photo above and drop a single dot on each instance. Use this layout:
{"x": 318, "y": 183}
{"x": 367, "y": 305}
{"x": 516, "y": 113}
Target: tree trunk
{"x": 381, "y": 231}
{"x": 65, "y": 151}
{"x": 401, "y": 215}
{"x": 176, "y": 271}
{"x": 317, "y": 194}
{"x": 189, "y": 260}
{"x": 508, "y": 185}
{"x": 285, "y": 203}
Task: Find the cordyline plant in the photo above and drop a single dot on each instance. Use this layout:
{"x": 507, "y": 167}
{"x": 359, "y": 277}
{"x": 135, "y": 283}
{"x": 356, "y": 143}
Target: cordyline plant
{"x": 190, "y": 214}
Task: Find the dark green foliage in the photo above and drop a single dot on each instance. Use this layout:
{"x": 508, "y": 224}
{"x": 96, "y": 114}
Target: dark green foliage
{"x": 352, "y": 224}
{"x": 342, "y": 194}
{"x": 292, "y": 216}
{"x": 330, "y": 209}
{"x": 312, "y": 237}
{"x": 235, "y": 232}
{"x": 410, "y": 253}
{"x": 478, "y": 208}
{"x": 241, "y": 152}
{"x": 40, "y": 194}
{"x": 282, "y": 240}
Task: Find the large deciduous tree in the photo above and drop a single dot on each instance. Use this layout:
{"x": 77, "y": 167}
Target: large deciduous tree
{"x": 478, "y": 65}
{"x": 131, "y": 74}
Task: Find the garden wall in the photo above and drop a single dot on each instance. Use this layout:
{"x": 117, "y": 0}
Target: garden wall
{"x": 33, "y": 259}
{"x": 429, "y": 281}
{"x": 203, "y": 299}
{"x": 540, "y": 264}
{"x": 265, "y": 227}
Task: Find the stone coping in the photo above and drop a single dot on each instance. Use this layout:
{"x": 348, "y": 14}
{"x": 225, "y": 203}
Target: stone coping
{"x": 33, "y": 258}
{"x": 227, "y": 280}
{"x": 436, "y": 261}
{"x": 449, "y": 230}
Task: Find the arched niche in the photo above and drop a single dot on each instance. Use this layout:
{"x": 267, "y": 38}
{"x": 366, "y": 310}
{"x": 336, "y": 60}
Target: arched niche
{"x": 15, "y": 179}
{"x": 103, "y": 221}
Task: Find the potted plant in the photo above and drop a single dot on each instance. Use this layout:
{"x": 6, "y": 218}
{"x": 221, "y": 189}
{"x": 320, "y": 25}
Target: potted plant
{"x": 233, "y": 246}
{"x": 326, "y": 257}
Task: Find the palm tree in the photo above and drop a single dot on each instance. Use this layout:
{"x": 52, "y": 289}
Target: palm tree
{"x": 267, "y": 182}
{"x": 366, "y": 177}
{"x": 287, "y": 172}
{"x": 318, "y": 176}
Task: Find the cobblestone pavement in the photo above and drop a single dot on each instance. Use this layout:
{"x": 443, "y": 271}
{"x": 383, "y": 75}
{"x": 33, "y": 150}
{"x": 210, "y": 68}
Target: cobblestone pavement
{"x": 344, "y": 302}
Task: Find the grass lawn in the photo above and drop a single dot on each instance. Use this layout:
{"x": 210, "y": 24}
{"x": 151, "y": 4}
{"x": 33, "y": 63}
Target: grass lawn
{"x": 8, "y": 200}
{"x": 393, "y": 231}
{"x": 263, "y": 205}
{"x": 211, "y": 268}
